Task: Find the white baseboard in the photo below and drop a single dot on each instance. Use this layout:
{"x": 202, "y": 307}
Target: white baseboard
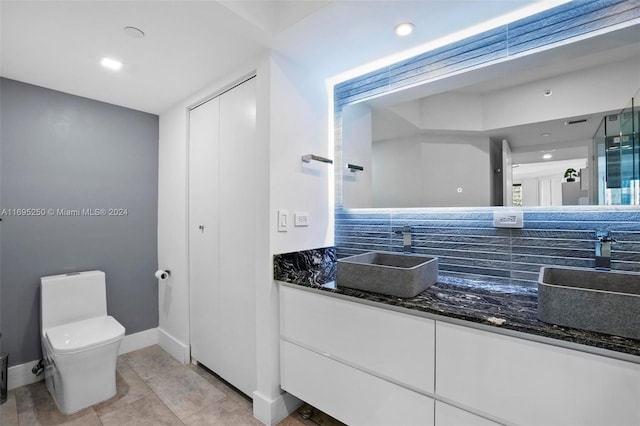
{"x": 21, "y": 375}
{"x": 174, "y": 347}
{"x": 271, "y": 412}
{"x": 139, "y": 340}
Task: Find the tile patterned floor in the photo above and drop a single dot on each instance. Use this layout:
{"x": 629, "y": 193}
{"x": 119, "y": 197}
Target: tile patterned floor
{"x": 153, "y": 389}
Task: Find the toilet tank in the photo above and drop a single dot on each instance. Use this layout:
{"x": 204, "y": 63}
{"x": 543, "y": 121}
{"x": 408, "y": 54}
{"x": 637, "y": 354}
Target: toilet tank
{"x": 72, "y": 297}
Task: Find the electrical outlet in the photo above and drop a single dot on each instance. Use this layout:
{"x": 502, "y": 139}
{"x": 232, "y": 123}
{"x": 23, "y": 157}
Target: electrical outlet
{"x": 508, "y": 219}
{"x": 301, "y": 219}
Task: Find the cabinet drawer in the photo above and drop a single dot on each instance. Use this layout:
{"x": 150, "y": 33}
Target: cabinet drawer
{"x": 531, "y": 383}
{"x": 394, "y": 345}
{"x": 350, "y": 395}
{"x": 447, "y": 415}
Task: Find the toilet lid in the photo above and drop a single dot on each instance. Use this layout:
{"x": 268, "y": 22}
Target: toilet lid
{"x": 86, "y": 334}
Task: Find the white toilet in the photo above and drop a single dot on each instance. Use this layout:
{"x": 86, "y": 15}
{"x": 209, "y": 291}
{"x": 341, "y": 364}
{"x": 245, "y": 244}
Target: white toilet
{"x": 80, "y": 341}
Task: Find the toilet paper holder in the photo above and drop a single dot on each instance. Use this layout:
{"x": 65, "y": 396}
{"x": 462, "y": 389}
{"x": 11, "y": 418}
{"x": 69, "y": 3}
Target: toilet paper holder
{"x": 162, "y": 274}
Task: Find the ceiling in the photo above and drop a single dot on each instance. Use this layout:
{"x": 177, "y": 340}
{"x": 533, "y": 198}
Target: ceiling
{"x": 190, "y": 44}
{"x": 187, "y": 44}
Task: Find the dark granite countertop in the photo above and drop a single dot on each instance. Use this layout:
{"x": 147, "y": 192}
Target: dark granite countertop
{"x": 499, "y": 307}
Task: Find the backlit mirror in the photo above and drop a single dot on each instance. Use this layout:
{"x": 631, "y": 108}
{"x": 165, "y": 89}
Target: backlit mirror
{"x": 555, "y": 128}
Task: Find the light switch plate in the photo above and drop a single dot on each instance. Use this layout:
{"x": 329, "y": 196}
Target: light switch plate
{"x": 283, "y": 220}
{"x": 301, "y": 218}
{"x": 508, "y": 219}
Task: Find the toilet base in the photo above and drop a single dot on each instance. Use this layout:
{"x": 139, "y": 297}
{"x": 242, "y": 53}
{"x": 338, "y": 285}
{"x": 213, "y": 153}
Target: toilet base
{"x": 80, "y": 380}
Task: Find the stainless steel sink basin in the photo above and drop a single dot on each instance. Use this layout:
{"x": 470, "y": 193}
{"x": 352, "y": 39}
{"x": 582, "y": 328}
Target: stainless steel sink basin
{"x": 603, "y": 301}
{"x": 393, "y": 274}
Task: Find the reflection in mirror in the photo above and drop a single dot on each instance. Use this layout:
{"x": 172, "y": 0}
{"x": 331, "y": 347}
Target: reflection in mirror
{"x": 618, "y": 152}
{"x": 505, "y": 141}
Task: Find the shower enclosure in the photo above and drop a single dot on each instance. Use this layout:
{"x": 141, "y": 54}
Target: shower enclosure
{"x": 618, "y": 157}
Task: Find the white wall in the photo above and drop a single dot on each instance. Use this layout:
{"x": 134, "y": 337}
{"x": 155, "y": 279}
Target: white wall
{"x": 598, "y": 89}
{"x": 173, "y": 294}
{"x": 396, "y": 169}
{"x": 507, "y": 173}
{"x": 602, "y": 88}
{"x": 172, "y": 214}
{"x": 451, "y": 111}
{"x": 297, "y": 122}
{"x": 356, "y": 149}
{"x": 299, "y": 126}
{"x": 456, "y": 171}
{"x": 429, "y": 170}
{"x": 292, "y": 111}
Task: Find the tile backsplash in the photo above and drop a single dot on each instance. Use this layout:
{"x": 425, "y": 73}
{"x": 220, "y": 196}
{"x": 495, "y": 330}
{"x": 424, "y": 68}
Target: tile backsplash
{"x": 469, "y": 247}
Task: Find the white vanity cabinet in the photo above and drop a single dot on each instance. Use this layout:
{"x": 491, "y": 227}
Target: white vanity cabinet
{"x": 367, "y": 365}
{"x": 530, "y": 383}
{"x": 448, "y": 415}
{"x": 361, "y": 364}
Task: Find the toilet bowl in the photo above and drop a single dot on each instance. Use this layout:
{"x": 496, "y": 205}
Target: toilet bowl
{"x": 80, "y": 341}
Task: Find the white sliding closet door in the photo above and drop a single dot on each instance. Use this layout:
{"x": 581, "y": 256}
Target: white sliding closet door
{"x": 222, "y": 267}
{"x": 204, "y": 249}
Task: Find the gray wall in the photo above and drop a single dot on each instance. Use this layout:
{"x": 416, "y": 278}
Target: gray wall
{"x": 59, "y": 151}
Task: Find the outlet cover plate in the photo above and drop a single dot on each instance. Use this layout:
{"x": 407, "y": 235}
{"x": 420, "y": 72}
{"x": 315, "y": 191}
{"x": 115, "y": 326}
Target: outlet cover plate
{"x": 301, "y": 219}
{"x": 508, "y": 219}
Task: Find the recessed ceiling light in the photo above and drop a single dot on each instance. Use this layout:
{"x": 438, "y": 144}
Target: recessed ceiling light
{"x": 547, "y": 156}
{"x": 545, "y": 134}
{"x": 112, "y": 64}
{"x": 548, "y": 92}
{"x": 404, "y": 29}
{"x": 133, "y": 32}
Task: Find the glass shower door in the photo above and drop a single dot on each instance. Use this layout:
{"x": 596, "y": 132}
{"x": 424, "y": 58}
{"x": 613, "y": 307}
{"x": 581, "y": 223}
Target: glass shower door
{"x": 618, "y": 150}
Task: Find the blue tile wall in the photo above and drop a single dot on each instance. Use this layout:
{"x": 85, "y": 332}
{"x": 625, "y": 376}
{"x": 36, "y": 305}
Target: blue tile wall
{"x": 544, "y": 29}
{"x": 486, "y": 47}
{"x": 568, "y": 21}
{"x": 469, "y": 247}
{"x": 464, "y": 239}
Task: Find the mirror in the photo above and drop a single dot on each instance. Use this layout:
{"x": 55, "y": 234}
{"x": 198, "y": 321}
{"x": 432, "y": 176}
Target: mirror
{"x": 502, "y": 135}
